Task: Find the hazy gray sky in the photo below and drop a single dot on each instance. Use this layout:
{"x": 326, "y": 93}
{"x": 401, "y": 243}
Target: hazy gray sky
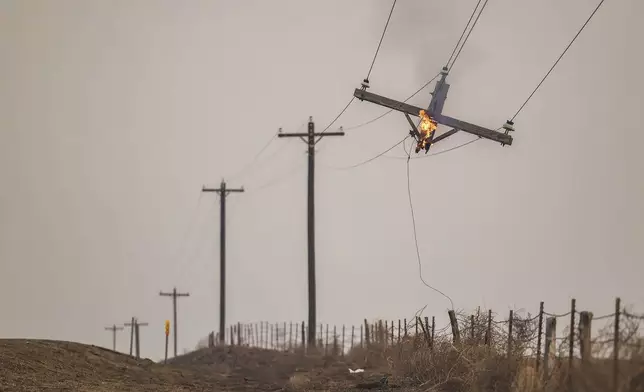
{"x": 113, "y": 114}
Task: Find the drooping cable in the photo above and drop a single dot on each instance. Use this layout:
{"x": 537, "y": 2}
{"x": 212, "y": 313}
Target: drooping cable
{"x": 413, "y": 220}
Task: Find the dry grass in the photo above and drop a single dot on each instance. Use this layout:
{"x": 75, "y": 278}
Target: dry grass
{"x": 472, "y": 366}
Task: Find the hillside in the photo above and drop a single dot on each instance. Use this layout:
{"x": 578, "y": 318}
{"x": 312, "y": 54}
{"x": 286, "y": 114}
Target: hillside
{"x": 36, "y": 365}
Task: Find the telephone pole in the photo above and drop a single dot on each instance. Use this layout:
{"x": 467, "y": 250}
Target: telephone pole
{"x": 223, "y": 192}
{"x": 114, "y": 328}
{"x": 311, "y": 138}
{"x": 174, "y": 296}
{"x": 435, "y": 112}
{"x": 134, "y": 325}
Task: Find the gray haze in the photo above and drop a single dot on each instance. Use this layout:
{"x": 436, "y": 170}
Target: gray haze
{"x": 113, "y": 114}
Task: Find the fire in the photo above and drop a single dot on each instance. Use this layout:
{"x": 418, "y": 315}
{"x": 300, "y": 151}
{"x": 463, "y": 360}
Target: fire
{"x": 426, "y": 128}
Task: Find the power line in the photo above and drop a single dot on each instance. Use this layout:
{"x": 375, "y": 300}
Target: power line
{"x": 250, "y": 164}
{"x": 366, "y": 80}
{"x": 380, "y": 43}
{"x": 413, "y": 220}
{"x": 372, "y": 158}
{"x": 261, "y": 151}
{"x": 336, "y": 118}
{"x": 560, "y": 57}
{"x": 438, "y": 152}
{"x": 462, "y": 34}
{"x": 391, "y": 110}
{"x": 468, "y": 34}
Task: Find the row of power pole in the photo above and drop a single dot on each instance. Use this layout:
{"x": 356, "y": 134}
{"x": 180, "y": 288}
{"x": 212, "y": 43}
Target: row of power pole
{"x": 310, "y": 138}
{"x": 134, "y": 334}
{"x": 134, "y": 325}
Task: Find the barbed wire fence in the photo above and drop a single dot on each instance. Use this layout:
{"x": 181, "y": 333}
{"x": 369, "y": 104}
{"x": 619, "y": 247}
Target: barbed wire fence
{"x": 609, "y": 346}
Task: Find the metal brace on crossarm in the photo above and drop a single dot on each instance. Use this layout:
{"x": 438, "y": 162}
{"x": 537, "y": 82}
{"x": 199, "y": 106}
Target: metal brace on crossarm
{"x": 435, "y": 113}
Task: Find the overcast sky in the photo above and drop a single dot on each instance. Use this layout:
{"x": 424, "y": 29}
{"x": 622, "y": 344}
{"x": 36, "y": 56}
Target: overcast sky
{"x": 113, "y": 114}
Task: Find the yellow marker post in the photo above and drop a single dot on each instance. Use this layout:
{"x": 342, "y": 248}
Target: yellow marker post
{"x": 167, "y": 335}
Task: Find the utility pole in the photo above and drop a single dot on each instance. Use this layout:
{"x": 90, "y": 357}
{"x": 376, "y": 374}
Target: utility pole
{"x": 114, "y": 328}
{"x": 134, "y": 325}
{"x": 310, "y": 139}
{"x": 435, "y": 113}
{"x": 130, "y": 324}
{"x": 174, "y": 296}
{"x": 223, "y": 191}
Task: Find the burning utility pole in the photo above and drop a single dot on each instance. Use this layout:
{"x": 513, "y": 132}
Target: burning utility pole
{"x": 433, "y": 115}
{"x": 223, "y": 192}
{"x": 310, "y": 139}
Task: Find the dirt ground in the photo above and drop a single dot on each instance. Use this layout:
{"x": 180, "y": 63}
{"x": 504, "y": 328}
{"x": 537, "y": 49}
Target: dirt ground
{"x": 42, "y": 365}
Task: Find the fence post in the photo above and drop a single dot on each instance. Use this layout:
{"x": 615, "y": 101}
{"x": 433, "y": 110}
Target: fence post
{"x": 366, "y": 332}
{"x": 549, "y": 348}
{"x": 510, "y": 322}
{"x": 353, "y": 335}
{"x": 571, "y": 342}
{"x": 455, "y": 332}
{"x": 361, "y": 336}
{"x": 335, "y": 342}
{"x": 585, "y": 320}
{"x": 239, "y": 337}
{"x": 425, "y": 331}
{"x": 472, "y": 328}
{"x": 616, "y": 345}
{"x": 405, "y": 325}
{"x": 326, "y": 346}
{"x": 399, "y": 331}
{"x": 488, "y": 331}
{"x": 540, "y": 332}
{"x": 381, "y": 333}
{"x": 433, "y": 333}
{"x": 303, "y": 337}
{"x": 393, "y": 340}
{"x": 261, "y": 334}
{"x": 343, "y": 341}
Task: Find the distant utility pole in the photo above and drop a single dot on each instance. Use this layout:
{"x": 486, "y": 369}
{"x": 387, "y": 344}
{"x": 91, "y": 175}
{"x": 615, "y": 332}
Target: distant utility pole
{"x": 174, "y": 296}
{"x": 134, "y": 325}
{"x": 310, "y": 139}
{"x": 435, "y": 113}
{"x": 223, "y": 192}
{"x": 114, "y": 328}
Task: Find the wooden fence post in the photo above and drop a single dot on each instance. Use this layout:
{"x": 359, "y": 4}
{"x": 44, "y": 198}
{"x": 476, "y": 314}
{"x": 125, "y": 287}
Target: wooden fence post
{"x": 399, "y": 331}
{"x": 239, "y": 337}
{"x": 343, "y": 341}
{"x": 585, "y": 321}
{"x": 381, "y": 333}
{"x": 335, "y": 342}
{"x": 616, "y": 337}
{"x": 353, "y": 335}
{"x": 455, "y": 332}
{"x": 510, "y": 323}
{"x": 433, "y": 332}
{"x": 392, "y": 333}
{"x": 326, "y": 346}
{"x": 405, "y": 325}
{"x": 540, "y": 332}
{"x": 232, "y": 335}
{"x": 472, "y": 328}
{"x": 549, "y": 350}
{"x": 366, "y": 332}
{"x": 303, "y": 337}
{"x": 488, "y": 331}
